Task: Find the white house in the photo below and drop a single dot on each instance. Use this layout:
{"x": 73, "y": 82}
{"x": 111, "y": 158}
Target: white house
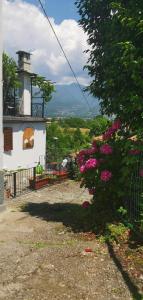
{"x": 24, "y": 123}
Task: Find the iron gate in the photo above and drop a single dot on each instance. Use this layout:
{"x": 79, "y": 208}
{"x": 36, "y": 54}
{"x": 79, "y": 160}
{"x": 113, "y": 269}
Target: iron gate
{"x": 18, "y": 182}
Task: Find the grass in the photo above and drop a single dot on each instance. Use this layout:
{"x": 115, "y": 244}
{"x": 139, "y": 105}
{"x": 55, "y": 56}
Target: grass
{"x": 43, "y": 244}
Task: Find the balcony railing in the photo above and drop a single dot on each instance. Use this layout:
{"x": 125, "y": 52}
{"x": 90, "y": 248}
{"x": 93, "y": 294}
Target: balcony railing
{"x": 13, "y": 109}
{"x": 37, "y": 110}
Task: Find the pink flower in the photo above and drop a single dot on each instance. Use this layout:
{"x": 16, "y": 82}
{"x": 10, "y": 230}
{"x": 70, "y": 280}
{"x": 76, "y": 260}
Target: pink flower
{"x": 90, "y": 151}
{"x": 106, "y": 149}
{"x": 116, "y": 125}
{"x": 81, "y": 153}
{"x": 91, "y": 163}
{"x": 80, "y": 160}
{"x": 108, "y": 134}
{"x": 85, "y": 204}
{"x": 94, "y": 145}
{"x": 134, "y": 151}
{"x": 92, "y": 191}
{"x": 82, "y": 169}
{"x": 105, "y": 175}
{"x": 141, "y": 172}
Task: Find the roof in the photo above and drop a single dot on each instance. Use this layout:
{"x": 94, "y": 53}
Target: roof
{"x": 23, "y": 52}
{"x": 12, "y": 119}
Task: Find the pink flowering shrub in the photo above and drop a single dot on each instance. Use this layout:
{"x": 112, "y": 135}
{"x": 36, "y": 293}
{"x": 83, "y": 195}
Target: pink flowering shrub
{"x": 107, "y": 166}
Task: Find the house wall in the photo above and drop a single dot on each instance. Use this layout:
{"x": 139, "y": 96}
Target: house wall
{"x": 25, "y": 94}
{"x": 25, "y": 158}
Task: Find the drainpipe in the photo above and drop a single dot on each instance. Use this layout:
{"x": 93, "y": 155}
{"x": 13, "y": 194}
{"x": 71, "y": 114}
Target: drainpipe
{"x": 2, "y": 207}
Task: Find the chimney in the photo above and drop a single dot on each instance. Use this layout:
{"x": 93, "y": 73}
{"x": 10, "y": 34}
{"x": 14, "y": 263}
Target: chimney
{"x": 24, "y": 69}
{"x": 24, "y": 62}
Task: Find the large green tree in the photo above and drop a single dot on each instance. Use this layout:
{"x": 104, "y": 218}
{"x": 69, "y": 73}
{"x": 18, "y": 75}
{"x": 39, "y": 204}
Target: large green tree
{"x": 115, "y": 36}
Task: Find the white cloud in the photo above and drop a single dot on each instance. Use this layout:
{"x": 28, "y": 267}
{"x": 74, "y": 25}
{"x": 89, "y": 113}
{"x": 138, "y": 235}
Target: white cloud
{"x": 25, "y": 28}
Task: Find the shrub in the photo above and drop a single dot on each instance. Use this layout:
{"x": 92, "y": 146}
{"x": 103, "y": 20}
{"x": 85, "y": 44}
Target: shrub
{"x": 106, "y": 167}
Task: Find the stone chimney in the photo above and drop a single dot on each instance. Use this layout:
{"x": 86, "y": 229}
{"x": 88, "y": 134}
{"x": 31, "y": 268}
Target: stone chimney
{"x": 24, "y": 68}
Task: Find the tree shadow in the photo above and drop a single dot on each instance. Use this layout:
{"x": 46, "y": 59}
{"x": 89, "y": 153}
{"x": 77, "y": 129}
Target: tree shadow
{"x": 132, "y": 287}
{"x": 135, "y": 240}
{"x": 70, "y": 214}
{"x": 78, "y": 219}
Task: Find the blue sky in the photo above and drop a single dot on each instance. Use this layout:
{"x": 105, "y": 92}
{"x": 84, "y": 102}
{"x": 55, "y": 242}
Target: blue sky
{"x": 59, "y": 9}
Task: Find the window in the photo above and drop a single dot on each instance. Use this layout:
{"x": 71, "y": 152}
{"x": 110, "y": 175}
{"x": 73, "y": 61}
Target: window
{"x": 28, "y": 138}
{"x": 8, "y": 139}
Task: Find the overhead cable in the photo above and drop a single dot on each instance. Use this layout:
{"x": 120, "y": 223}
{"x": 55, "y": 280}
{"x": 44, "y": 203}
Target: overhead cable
{"x": 63, "y": 51}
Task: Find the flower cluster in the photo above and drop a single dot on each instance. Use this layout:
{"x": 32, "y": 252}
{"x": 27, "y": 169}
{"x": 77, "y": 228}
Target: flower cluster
{"x": 106, "y": 149}
{"x": 81, "y": 157}
{"x": 105, "y": 175}
{"x": 85, "y": 204}
{"x": 95, "y": 163}
{"x": 134, "y": 152}
{"x": 91, "y": 163}
{"x": 111, "y": 130}
{"x": 92, "y": 191}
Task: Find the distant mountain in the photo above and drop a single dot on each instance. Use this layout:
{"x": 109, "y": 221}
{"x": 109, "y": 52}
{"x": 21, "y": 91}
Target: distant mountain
{"x": 68, "y": 101}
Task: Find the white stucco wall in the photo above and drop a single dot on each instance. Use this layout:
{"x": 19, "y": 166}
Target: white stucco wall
{"x": 25, "y": 94}
{"x": 18, "y": 157}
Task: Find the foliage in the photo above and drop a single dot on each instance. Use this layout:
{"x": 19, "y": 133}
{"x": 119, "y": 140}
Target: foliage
{"x": 115, "y": 36}
{"x": 98, "y": 125}
{"x": 10, "y": 77}
{"x": 61, "y": 143}
{"x": 11, "y": 81}
{"x": 78, "y": 139}
{"x": 73, "y": 122}
{"x": 106, "y": 167}
{"x": 46, "y": 87}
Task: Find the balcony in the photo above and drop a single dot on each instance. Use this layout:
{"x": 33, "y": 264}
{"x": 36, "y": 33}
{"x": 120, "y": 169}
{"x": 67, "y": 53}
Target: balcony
{"x": 12, "y": 108}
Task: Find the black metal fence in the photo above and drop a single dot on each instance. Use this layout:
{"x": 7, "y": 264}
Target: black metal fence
{"x": 18, "y": 182}
{"x": 135, "y": 200}
{"x": 23, "y": 181}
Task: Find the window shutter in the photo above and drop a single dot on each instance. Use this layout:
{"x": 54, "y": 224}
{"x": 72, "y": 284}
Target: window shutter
{"x": 8, "y": 139}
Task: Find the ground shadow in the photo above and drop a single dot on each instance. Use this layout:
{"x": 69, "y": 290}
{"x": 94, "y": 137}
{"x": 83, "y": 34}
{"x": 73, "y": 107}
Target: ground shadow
{"x": 132, "y": 287}
{"x": 75, "y": 217}
{"x": 70, "y": 214}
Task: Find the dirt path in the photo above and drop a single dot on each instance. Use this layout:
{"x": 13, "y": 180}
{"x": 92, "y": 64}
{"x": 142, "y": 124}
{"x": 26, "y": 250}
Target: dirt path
{"x": 42, "y": 252}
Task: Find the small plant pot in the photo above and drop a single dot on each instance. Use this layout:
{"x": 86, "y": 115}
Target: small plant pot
{"x": 39, "y": 183}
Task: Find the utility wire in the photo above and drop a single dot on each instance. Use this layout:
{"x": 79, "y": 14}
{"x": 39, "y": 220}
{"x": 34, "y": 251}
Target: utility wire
{"x": 71, "y": 68}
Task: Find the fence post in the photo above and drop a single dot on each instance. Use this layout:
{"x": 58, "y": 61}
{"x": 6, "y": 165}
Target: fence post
{"x": 34, "y": 177}
{"x": 14, "y": 184}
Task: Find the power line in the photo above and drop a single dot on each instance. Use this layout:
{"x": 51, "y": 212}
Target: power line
{"x": 70, "y": 66}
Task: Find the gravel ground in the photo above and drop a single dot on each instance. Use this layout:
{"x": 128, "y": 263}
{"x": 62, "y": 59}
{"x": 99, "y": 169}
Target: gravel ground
{"x": 44, "y": 256}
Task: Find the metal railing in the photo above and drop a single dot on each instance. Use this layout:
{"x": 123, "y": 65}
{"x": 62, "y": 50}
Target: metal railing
{"x": 37, "y": 110}
{"x": 18, "y": 182}
{"x": 134, "y": 203}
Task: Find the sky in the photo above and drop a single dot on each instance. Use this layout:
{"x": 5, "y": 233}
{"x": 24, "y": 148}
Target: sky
{"x": 26, "y": 28}
{"x": 59, "y": 9}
